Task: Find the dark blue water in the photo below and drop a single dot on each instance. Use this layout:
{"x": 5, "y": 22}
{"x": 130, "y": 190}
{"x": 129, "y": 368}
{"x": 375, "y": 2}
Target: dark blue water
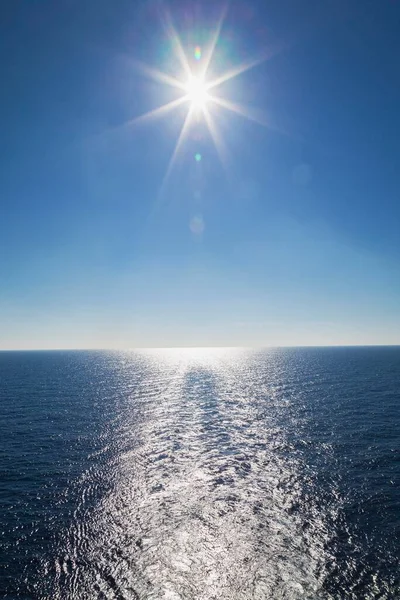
{"x": 209, "y": 474}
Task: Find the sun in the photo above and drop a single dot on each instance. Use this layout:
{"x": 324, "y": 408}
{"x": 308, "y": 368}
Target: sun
{"x": 197, "y": 89}
{"x": 197, "y": 94}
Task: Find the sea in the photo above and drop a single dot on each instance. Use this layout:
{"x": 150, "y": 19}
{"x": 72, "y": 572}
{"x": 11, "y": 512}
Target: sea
{"x": 207, "y": 474}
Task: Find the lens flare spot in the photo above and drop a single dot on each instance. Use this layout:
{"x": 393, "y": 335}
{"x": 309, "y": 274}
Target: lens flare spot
{"x": 196, "y": 225}
{"x": 197, "y": 53}
{"x": 197, "y": 157}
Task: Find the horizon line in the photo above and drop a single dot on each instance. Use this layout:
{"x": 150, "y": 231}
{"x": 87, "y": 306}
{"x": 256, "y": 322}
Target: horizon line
{"x": 204, "y": 347}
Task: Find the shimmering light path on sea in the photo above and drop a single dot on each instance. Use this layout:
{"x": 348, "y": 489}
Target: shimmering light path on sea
{"x": 212, "y": 474}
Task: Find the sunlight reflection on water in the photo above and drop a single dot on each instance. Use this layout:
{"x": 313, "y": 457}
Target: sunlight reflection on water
{"x": 202, "y": 488}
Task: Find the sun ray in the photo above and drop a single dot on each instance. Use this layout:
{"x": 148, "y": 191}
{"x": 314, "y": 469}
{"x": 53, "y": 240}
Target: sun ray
{"x": 217, "y": 138}
{"x": 158, "y": 112}
{"x": 214, "y": 41}
{"x": 178, "y": 48}
{"x": 239, "y": 110}
{"x": 178, "y": 144}
{"x": 234, "y": 73}
{"x": 159, "y": 76}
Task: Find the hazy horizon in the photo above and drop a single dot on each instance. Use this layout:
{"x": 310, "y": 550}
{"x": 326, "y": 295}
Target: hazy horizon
{"x": 211, "y": 348}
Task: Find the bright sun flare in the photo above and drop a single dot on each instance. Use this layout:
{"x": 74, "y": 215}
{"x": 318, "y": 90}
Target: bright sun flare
{"x": 197, "y": 92}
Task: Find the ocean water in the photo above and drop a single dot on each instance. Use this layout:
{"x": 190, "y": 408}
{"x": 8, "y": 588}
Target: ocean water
{"x": 200, "y": 474}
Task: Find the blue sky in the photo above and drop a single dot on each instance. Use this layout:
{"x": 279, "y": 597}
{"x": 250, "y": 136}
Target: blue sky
{"x": 290, "y": 238}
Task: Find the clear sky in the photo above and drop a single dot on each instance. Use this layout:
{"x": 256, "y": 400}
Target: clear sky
{"x": 284, "y": 231}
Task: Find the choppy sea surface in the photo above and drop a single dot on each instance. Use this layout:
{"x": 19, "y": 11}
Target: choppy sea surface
{"x": 200, "y": 474}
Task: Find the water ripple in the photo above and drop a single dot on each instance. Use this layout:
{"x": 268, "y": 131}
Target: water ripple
{"x": 213, "y": 476}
